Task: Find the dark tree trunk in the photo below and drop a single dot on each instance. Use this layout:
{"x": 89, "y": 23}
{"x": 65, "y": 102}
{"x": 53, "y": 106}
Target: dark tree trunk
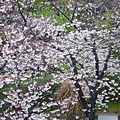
{"x": 91, "y": 115}
{"x": 91, "y": 110}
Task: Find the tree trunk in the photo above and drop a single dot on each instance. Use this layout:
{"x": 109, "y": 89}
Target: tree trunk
{"x": 91, "y": 115}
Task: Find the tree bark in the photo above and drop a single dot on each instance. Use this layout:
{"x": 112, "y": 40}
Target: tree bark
{"x": 91, "y": 115}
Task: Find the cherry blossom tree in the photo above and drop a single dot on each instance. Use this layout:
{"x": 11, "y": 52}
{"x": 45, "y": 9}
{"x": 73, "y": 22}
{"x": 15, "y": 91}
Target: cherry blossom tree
{"x": 32, "y": 48}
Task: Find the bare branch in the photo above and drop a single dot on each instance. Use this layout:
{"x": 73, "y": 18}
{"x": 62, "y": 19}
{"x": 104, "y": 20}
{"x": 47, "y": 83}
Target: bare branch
{"x": 61, "y": 13}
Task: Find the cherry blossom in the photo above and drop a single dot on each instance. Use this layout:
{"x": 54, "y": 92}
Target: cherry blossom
{"x": 32, "y": 48}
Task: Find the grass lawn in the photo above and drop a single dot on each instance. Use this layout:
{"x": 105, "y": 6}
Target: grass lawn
{"x": 112, "y": 107}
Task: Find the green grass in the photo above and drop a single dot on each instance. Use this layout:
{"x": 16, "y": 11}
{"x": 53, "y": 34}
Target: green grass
{"x": 114, "y": 106}
{"x": 111, "y": 107}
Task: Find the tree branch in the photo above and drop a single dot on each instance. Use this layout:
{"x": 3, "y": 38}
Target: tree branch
{"x": 62, "y": 13}
{"x": 96, "y": 60}
{"x": 77, "y": 85}
{"x": 35, "y": 104}
{"x": 74, "y": 11}
{"x": 106, "y": 62}
{"x": 82, "y": 98}
{"x": 74, "y": 64}
{"x": 25, "y": 21}
{"x": 3, "y": 65}
{"x": 70, "y": 20}
{"x": 103, "y": 71}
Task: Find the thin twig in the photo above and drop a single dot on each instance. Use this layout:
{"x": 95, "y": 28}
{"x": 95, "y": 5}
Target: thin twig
{"x": 74, "y": 11}
{"x": 25, "y": 21}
